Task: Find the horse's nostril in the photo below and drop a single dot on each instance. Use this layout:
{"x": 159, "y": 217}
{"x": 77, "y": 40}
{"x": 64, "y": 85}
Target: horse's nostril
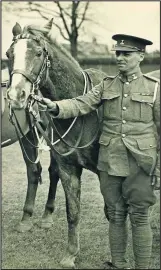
{"x": 23, "y": 95}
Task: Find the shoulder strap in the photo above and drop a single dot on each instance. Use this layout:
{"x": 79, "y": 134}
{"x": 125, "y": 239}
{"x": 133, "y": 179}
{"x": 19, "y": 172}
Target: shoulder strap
{"x": 151, "y": 78}
{"x": 157, "y": 81}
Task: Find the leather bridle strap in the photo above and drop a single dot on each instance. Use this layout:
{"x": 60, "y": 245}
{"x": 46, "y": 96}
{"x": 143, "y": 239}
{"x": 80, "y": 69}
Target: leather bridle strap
{"x": 31, "y": 78}
{"x": 18, "y": 131}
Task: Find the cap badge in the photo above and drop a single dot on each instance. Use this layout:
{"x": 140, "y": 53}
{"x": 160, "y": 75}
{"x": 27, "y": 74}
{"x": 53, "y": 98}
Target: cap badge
{"x": 122, "y": 42}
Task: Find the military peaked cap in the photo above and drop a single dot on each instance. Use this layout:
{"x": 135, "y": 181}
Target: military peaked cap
{"x": 130, "y": 43}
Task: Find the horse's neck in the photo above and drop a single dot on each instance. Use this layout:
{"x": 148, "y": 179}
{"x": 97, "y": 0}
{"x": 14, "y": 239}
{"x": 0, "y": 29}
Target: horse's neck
{"x": 65, "y": 79}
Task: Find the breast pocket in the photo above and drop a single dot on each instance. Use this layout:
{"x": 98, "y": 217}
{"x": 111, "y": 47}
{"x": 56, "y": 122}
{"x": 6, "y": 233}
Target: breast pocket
{"x": 111, "y": 103}
{"x": 142, "y": 107}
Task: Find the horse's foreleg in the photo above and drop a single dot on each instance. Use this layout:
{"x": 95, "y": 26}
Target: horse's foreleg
{"x": 47, "y": 220}
{"x": 72, "y": 188}
{"x": 34, "y": 177}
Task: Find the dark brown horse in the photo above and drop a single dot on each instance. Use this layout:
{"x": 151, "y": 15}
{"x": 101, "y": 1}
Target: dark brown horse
{"x": 63, "y": 78}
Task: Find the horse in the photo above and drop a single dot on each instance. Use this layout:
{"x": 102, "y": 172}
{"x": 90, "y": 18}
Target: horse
{"x": 31, "y": 158}
{"x": 57, "y": 75}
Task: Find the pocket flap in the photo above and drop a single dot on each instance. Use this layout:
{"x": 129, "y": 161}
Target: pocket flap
{"x": 142, "y": 97}
{"x": 147, "y": 143}
{"x": 104, "y": 139}
{"x": 110, "y": 94}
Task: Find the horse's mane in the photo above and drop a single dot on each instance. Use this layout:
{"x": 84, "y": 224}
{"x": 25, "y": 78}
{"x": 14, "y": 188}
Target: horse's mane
{"x": 41, "y": 32}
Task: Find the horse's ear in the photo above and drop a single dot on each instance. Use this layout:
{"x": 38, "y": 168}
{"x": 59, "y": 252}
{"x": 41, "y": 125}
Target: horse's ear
{"x": 48, "y": 26}
{"x": 16, "y": 30}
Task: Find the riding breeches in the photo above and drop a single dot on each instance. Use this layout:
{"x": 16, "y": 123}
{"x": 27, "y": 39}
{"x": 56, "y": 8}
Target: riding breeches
{"x": 131, "y": 195}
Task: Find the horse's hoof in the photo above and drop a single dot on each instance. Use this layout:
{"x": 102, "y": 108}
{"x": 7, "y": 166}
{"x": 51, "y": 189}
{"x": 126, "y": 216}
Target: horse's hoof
{"x": 68, "y": 263}
{"x": 24, "y": 226}
{"x": 46, "y": 222}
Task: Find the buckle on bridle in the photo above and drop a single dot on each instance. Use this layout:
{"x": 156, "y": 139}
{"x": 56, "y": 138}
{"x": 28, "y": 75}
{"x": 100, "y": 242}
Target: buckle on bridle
{"x": 48, "y": 64}
{"x": 37, "y": 98}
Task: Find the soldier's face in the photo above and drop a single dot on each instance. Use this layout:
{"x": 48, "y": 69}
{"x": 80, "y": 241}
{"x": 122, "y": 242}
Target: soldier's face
{"x": 128, "y": 61}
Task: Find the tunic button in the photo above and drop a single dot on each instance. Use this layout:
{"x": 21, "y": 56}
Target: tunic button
{"x": 150, "y": 145}
{"x": 124, "y": 121}
{"x": 126, "y": 82}
{"x": 123, "y": 135}
{"x": 124, "y": 108}
{"x": 125, "y": 95}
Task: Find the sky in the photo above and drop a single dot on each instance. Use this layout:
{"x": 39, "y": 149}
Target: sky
{"x": 135, "y": 18}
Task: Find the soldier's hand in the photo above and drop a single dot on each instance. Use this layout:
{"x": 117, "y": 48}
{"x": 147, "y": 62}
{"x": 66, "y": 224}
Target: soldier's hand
{"x": 50, "y": 104}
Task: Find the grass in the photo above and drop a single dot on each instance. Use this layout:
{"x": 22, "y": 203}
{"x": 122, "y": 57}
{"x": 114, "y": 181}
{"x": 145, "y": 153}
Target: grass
{"x": 43, "y": 249}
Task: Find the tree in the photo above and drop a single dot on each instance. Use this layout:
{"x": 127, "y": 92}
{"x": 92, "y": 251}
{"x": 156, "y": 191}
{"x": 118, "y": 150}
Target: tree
{"x": 72, "y": 18}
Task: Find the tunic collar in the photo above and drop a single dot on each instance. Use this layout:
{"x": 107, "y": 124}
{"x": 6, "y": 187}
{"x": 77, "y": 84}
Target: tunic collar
{"x": 130, "y": 77}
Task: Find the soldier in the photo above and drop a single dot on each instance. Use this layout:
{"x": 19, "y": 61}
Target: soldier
{"x": 128, "y": 157}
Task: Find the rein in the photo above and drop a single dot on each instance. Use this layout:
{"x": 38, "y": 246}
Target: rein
{"x": 20, "y": 133}
{"x": 87, "y": 86}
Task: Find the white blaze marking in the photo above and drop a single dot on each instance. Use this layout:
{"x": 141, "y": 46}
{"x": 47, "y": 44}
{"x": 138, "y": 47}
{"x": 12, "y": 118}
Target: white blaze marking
{"x": 20, "y": 51}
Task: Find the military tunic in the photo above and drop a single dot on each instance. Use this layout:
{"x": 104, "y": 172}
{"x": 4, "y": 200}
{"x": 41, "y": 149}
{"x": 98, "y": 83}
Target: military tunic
{"x": 131, "y": 120}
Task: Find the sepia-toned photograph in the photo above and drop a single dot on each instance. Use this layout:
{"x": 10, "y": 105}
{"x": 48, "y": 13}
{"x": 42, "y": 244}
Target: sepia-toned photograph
{"x": 80, "y": 134}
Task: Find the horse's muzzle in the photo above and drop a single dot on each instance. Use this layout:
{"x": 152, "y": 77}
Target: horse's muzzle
{"x": 17, "y": 101}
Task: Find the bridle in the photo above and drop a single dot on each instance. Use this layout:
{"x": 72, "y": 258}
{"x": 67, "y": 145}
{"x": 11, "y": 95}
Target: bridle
{"x": 32, "y": 115}
{"x": 34, "y": 79}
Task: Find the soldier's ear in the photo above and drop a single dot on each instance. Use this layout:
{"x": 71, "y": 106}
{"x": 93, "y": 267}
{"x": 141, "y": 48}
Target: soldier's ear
{"x": 142, "y": 56}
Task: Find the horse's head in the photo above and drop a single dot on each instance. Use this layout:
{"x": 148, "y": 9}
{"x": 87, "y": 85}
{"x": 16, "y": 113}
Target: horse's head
{"x": 28, "y": 63}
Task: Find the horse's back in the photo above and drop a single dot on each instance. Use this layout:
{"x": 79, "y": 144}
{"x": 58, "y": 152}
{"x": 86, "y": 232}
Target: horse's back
{"x": 96, "y": 75}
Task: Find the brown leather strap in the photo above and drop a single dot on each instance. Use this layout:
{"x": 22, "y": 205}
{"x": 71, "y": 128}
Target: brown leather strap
{"x": 32, "y": 79}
